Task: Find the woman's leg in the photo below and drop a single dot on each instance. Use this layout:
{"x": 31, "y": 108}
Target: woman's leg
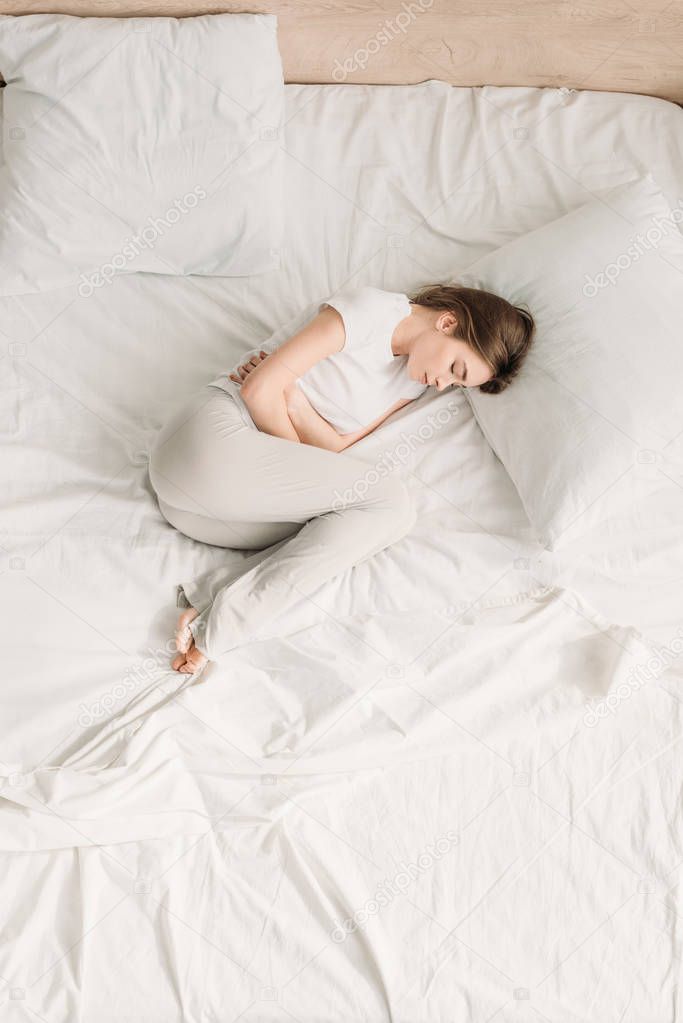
{"x": 191, "y": 463}
{"x": 236, "y": 482}
{"x": 238, "y": 535}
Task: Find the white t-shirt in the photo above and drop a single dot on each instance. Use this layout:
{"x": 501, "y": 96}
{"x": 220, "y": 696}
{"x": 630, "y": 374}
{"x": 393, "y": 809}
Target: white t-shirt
{"x": 356, "y": 385}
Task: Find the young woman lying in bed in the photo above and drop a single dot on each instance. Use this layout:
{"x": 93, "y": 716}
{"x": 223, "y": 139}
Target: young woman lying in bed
{"x": 258, "y": 457}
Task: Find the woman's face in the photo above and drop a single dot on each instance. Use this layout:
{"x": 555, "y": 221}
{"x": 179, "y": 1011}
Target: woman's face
{"x": 438, "y": 359}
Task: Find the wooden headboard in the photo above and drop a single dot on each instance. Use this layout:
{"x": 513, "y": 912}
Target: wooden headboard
{"x": 614, "y": 45}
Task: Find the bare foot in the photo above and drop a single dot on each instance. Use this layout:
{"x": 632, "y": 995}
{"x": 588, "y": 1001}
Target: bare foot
{"x": 183, "y": 634}
{"x": 189, "y": 662}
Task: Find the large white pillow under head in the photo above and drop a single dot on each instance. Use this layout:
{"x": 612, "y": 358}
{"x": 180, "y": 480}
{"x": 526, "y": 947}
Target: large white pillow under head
{"x": 601, "y": 389}
{"x": 138, "y": 144}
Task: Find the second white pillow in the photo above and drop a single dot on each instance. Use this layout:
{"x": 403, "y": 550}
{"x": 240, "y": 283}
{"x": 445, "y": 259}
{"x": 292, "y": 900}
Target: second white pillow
{"x": 601, "y": 388}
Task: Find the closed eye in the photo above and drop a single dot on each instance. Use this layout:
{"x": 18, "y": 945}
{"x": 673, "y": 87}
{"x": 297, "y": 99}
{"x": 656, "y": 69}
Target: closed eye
{"x": 464, "y": 372}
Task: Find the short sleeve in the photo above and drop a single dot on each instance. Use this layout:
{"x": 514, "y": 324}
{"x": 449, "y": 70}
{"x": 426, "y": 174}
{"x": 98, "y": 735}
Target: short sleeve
{"x": 364, "y": 312}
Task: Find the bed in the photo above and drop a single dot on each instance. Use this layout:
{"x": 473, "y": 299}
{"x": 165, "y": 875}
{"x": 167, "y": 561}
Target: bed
{"x": 432, "y": 792}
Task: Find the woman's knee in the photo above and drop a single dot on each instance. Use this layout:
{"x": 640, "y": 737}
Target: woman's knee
{"x": 168, "y": 442}
{"x": 175, "y": 455}
{"x": 163, "y": 470}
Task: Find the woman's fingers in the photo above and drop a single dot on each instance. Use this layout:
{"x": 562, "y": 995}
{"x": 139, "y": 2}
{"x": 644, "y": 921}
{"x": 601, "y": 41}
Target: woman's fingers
{"x": 243, "y": 371}
{"x": 240, "y": 375}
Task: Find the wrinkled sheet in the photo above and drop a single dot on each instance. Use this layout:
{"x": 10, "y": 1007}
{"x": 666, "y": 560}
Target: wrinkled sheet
{"x": 445, "y": 787}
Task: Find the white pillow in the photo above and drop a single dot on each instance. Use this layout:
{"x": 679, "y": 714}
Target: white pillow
{"x": 138, "y": 144}
{"x": 601, "y": 389}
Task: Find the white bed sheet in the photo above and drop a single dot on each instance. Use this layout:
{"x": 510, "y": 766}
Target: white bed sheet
{"x": 441, "y": 686}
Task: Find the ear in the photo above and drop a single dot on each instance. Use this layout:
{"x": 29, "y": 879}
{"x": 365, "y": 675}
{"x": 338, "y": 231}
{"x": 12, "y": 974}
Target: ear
{"x": 447, "y": 322}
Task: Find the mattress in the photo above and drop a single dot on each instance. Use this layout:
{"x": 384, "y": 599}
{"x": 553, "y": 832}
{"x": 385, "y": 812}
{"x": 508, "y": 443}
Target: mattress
{"x": 445, "y": 787}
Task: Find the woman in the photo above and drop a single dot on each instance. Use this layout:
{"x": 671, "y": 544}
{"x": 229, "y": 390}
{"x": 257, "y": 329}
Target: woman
{"x": 259, "y": 457}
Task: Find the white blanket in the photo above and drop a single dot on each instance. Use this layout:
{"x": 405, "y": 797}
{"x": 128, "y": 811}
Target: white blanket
{"x": 485, "y": 799}
{"x": 452, "y": 751}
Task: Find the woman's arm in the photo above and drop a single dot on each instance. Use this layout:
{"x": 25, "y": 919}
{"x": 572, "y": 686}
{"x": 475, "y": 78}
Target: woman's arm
{"x": 277, "y": 406}
{"x": 239, "y": 375}
{"x": 271, "y": 416}
{"x": 263, "y": 390}
{"x": 313, "y": 429}
{"x": 310, "y": 426}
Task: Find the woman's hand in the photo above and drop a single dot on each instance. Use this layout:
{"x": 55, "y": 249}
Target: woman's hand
{"x": 243, "y": 371}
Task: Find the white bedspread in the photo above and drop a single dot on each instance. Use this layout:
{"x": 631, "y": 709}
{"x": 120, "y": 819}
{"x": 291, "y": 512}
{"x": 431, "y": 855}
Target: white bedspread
{"x": 467, "y": 747}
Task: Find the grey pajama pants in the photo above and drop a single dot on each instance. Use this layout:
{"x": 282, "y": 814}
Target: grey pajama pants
{"x": 222, "y": 482}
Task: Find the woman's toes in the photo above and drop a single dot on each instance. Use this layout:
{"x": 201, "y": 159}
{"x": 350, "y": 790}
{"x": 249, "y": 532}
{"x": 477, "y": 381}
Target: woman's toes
{"x": 190, "y": 662}
{"x": 183, "y": 635}
{"x": 195, "y": 659}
